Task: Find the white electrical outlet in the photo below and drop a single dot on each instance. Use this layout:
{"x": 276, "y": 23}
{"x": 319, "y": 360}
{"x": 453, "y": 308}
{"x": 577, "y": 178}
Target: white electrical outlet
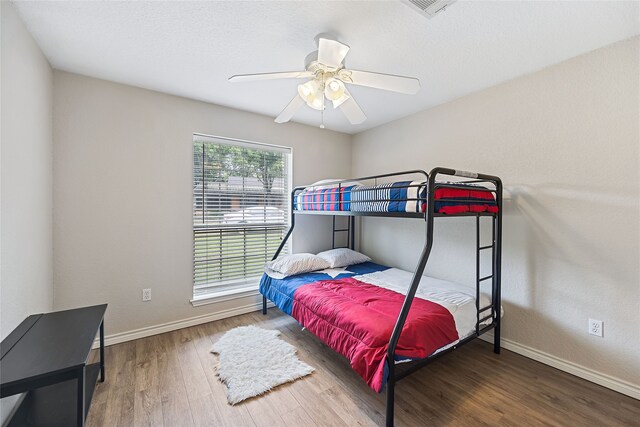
{"x": 146, "y": 294}
{"x": 595, "y": 327}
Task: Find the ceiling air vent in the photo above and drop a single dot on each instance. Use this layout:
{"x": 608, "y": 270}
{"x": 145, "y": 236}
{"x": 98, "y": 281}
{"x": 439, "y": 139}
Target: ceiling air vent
{"x": 428, "y": 8}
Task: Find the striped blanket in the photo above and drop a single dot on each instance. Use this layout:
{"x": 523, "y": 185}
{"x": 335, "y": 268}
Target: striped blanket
{"x": 401, "y": 196}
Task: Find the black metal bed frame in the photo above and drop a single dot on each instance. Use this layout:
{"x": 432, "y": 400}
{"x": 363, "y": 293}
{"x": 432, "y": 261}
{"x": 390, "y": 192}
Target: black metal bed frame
{"x": 400, "y": 371}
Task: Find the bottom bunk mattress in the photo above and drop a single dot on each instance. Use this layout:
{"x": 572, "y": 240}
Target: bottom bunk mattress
{"x": 354, "y": 310}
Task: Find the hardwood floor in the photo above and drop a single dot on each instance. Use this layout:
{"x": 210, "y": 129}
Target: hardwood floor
{"x": 169, "y": 380}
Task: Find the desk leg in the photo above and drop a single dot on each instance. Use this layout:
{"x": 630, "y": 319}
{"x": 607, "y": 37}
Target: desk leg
{"x": 102, "y": 351}
{"x": 80, "y": 403}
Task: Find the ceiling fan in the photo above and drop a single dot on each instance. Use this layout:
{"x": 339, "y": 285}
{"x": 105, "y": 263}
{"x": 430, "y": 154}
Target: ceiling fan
{"x": 327, "y": 74}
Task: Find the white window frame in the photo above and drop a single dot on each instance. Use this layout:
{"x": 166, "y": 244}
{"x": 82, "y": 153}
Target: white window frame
{"x": 239, "y": 288}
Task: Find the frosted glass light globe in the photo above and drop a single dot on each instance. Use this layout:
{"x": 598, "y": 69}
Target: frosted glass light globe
{"x": 311, "y": 92}
{"x": 334, "y": 89}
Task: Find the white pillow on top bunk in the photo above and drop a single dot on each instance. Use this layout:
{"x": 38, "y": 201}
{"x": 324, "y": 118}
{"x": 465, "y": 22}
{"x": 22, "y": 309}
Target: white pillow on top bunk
{"x": 343, "y": 257}
{"x": 289, "y": 265}
{"x": 330, "y": 183}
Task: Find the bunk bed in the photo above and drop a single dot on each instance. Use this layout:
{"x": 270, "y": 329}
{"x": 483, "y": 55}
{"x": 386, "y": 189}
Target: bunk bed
{"x": 405, "y": 347}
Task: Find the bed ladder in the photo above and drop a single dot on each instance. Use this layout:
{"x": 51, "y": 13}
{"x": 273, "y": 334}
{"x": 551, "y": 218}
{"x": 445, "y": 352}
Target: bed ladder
{"x": 492, "y": 276}
{"x": 495, "y": 276}
{"x": 350, "y": 230}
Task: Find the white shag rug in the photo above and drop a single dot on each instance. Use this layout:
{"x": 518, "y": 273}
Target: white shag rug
{"x": 254, "y": 360}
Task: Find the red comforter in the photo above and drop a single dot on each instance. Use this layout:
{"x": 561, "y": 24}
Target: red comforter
{"x": 356, "y": 319}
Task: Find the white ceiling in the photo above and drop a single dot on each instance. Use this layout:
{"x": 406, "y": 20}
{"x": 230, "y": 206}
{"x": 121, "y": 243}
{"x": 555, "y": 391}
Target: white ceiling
{"x": 191, "y": 48}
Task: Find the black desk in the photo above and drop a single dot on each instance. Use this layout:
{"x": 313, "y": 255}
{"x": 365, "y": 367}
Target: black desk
{"x": 46, "y": 356}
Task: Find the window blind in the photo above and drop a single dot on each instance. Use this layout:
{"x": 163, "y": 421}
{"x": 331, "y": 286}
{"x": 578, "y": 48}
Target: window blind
{"x": 240, "y": 210}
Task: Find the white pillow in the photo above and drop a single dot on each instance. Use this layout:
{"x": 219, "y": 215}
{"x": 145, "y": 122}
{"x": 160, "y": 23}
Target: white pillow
{"x": 290, "y": 265}
{"x": 274, "y": 274}
{"x": 323, "y": 184}
{"x": 342, "y": 257}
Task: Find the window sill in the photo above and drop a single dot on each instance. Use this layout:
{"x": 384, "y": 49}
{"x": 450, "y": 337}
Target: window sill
{"x": 225, "y": 295}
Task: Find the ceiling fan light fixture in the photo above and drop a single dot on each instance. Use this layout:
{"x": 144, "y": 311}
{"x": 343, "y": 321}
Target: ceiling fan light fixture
{"x": 316, "y": 103}
{"x": 311, "y": 92}
{"x": 307, "y": 89}
{"x": 334, "y": 89}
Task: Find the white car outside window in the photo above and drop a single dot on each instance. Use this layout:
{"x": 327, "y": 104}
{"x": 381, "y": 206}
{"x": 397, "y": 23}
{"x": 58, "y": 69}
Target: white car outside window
{"x": 255, "y": 215}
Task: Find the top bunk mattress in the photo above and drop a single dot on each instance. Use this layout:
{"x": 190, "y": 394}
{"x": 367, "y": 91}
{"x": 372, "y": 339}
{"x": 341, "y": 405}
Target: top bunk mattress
{"x": 400, "y": 196}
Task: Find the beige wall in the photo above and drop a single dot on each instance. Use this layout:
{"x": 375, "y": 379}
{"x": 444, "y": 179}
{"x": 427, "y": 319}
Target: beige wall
{"x": 122, "y": 194}
{"x": 26, "y": 149}
{"x": 565, "y": 141}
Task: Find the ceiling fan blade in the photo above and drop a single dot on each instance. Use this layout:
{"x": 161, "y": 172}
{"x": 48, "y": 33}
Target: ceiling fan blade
{"x": 352, "y": 110}
{"x": 390, "y": 82}
{"x": 331, "y": 52}
{"x": 271, "y": 76}
{"x": 290, "y": 109}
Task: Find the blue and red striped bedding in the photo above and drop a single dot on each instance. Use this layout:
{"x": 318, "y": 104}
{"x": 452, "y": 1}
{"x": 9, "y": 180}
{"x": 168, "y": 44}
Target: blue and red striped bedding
{"x": 401, "y": 196}
{"x": 325, "y": 199}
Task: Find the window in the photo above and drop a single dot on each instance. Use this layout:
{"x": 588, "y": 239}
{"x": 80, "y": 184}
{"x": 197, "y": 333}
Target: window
{"x": 240, "y": 211}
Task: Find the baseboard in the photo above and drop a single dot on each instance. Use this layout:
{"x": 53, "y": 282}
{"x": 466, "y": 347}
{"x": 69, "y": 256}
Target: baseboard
{"x": 178, "y": 324}
{"x": 613, "y": 383}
